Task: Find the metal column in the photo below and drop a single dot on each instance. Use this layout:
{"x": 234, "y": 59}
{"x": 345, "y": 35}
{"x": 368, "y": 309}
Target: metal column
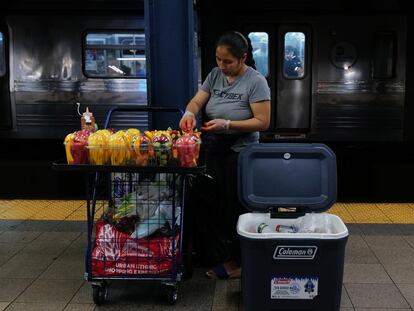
{"x": 171, "y": 56}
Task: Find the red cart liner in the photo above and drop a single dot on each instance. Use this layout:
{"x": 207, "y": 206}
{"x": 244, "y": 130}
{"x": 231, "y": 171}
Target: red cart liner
{"x": 117, "y": 254}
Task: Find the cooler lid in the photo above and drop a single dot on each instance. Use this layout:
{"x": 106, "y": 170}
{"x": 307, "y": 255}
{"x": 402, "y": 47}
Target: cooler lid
{"x": 287, "y": 175}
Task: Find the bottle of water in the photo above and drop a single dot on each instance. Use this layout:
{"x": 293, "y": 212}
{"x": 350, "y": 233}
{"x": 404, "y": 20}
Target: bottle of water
{"x": 265, "y": 228}
{"x": 286, "y": 229}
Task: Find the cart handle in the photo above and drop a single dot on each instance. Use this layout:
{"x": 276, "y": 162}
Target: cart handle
{"x": 140, "y": 109}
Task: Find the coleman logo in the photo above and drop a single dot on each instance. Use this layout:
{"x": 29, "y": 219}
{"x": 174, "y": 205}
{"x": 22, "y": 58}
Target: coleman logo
{"x": 295, "y": 252}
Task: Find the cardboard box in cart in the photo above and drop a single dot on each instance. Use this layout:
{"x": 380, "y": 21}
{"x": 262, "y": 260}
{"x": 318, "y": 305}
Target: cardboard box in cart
{"x": 289, "y": 271}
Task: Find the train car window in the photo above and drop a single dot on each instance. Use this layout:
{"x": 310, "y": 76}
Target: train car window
{"x": 260, "y": 45}
{"x": 2, "y": 56}
{"x": 115, "y": 55}
{"x": 294, "y": 55}
{"x": 383, "y": 62}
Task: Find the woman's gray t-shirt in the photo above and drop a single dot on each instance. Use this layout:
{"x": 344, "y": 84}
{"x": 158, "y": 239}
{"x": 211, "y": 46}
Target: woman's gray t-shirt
{"x": 231, "y": 101}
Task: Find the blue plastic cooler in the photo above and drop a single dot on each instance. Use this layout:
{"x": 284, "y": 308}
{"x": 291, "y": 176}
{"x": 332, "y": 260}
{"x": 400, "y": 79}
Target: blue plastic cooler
{"x": 289, "y": 271}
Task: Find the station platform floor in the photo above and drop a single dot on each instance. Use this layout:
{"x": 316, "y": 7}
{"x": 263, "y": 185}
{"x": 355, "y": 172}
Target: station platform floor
{"x": 42, "y": 263}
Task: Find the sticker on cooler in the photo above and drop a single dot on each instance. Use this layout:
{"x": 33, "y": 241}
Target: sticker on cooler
{"x": 295, "y": 252}
{"x": 293, "y": 287}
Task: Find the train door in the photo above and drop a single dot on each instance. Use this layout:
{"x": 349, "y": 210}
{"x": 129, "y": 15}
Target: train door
{"x": 282, "y": 54}
{"x": 5, "y": 107}
{"x": 293, "y": 100}
{"x": 262, "y": 40}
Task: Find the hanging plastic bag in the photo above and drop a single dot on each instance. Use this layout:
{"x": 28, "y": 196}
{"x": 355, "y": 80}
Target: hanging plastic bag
{"x": 162, "y": 215}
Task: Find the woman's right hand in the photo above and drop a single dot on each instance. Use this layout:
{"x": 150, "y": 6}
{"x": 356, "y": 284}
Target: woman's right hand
{"x": 188, "y": 121}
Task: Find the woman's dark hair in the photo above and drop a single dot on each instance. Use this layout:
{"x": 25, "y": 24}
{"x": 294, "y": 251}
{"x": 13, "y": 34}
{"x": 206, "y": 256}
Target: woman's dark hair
{"x": 238, "y": 45}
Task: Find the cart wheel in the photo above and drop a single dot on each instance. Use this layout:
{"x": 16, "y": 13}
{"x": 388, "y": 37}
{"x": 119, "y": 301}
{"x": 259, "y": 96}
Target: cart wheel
{"x": 171, "y": 294}
{"x": 99, "y": 294}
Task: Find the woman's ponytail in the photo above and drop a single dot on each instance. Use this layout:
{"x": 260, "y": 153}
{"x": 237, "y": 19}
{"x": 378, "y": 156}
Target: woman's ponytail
{"x": 249, "y": 59}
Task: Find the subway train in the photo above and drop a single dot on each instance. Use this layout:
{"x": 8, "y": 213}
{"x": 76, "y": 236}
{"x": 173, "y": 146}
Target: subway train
{"x": 349, "y": 86}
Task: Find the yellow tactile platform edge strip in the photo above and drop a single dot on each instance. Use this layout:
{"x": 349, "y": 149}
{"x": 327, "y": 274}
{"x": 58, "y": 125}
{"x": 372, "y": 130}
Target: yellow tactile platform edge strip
{"x": 75, "y": 210}
{"x": 379, "y": 213}
{"x": 71, "y": 210}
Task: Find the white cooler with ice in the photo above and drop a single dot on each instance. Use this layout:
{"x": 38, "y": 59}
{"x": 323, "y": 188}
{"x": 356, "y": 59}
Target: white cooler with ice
{"x": 292, "y": 251}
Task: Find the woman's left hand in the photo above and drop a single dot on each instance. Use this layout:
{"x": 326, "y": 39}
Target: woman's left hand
{"x": 215, "y": 125}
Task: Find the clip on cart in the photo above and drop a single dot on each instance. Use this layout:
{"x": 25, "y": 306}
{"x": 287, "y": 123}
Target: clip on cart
{"x": 135, "y": 217}
{"x": 297, "y": 263}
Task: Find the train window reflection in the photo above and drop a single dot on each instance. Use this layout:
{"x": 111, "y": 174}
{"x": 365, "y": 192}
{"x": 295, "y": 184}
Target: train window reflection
{"x": 2, "y": 56}
{"x": 260, "y": 45}
{"x": 115, "y": 55}
{"x": 294, "y": 55}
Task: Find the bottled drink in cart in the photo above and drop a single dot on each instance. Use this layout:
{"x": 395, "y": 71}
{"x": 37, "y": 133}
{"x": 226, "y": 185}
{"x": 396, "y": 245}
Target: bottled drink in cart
{"x": 265, "y": 228}
{"x": 88, "y": 121}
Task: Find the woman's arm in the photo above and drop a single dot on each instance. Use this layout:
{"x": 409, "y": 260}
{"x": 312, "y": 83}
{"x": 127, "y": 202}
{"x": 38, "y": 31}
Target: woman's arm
{"x": 188, "y": 121}
{"x": 259, "y": 122}
{"x": 197, "y": 102}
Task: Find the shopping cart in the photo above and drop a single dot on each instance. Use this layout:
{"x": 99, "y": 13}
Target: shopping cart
{"x": 135, "y": 220}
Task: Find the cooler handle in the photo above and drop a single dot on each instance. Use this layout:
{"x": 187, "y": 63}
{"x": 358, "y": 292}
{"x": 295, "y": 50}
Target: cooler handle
{"x": 286, "y": 212}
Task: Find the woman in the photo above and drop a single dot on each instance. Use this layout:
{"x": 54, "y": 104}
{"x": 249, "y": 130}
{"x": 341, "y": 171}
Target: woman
{"x": 236, "y": 99}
